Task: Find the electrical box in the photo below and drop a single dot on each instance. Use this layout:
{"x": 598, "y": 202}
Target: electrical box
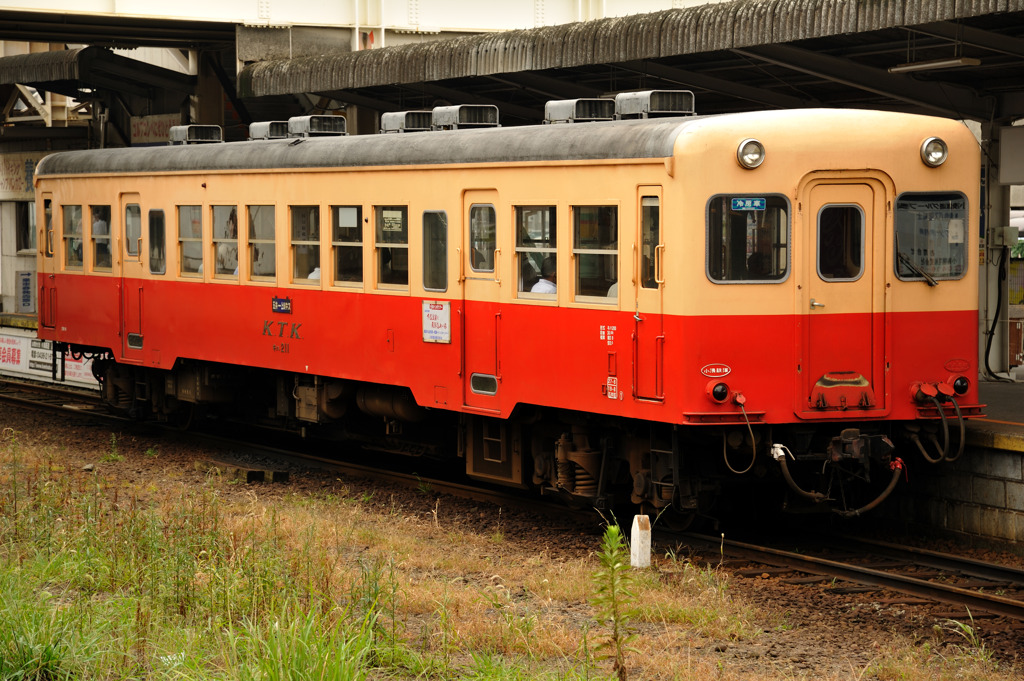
{"x": 1003, "y": 236}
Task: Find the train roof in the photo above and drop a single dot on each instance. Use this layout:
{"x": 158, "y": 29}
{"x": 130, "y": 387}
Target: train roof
{"x": 629, "y": 139}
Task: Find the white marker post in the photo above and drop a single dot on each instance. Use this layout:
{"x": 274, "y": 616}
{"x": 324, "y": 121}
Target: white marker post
{"x": 640, "y": 542}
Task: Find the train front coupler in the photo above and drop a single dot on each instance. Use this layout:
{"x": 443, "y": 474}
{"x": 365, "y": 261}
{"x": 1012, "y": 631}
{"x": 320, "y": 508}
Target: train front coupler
{"x": 849, "y": 447}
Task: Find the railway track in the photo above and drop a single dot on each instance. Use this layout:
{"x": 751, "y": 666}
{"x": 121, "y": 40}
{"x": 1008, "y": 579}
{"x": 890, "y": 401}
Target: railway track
{"x": 930, "y": 575}
{"x": 251, "y": 451}
{"x": 919, "y": 573}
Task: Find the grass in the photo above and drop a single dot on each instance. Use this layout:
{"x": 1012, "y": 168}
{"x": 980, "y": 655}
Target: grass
{"x": 104, "y": 580}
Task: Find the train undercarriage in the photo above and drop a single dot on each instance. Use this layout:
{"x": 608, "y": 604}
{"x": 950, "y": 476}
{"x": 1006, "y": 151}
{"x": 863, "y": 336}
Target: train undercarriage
{"x": 586, "y": 460}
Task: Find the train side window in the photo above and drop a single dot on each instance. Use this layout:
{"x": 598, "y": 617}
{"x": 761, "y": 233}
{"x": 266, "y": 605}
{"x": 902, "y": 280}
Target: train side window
{"x": 931, "y": 236}
{"x": 392, "y": 245}
{"x": 225, "y": 241}
{"x": 72, "y": 235}
{"x": 305, "y": 244}
{"x": 347, "y": 242}
{"x": 435, "y": 250}
{"x": 747, "y": 239}
{"x": 840, "y": 243}
{"x": 157, "y": 242}
{"x": 48, "y": 227}
{"x": 190, "y": 240}
{"x": 482, "y": 237}
{"x": 650, "y": 237}
{"x": 596, "y": 247}
{"x": 535, "y": 245}
{"x": 132, "y": 228}
{"x": 262, "y": 244}
{"x": 101, "y": 237}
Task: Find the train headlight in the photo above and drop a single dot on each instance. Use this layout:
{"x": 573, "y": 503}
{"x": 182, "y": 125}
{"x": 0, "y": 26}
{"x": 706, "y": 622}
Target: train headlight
{"x": 717, "y": 391}
{"x": 961, "y": 385}
{"x": 750, "y": 153}
{"x": 934, "y": 152}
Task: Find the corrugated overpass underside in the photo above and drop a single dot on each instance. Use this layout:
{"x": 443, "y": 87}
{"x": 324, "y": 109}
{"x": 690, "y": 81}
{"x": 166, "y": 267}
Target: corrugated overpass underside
{"x": 735, "y": 56}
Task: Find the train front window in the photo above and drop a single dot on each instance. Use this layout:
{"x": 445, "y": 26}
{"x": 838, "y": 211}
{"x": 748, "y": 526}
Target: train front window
{"x": 132, "y": 228}
{"x": 931, "y": 236}
{"x": 840, "y": 243}
{"x": 595, "y": 244}
{"x": 306, "y": 244}
{"x": 262, "y": 263}
{"x": 72, "y": 237}
{"x": 347, "y": 242}
{"x": 482, "y": 227}
{"x": 747, "y": 239}
{"x": 101, "y": 237}
{"x": 225, "y": 241}
{"x": 190, "y": 240}
{"x": 392, "y": 245}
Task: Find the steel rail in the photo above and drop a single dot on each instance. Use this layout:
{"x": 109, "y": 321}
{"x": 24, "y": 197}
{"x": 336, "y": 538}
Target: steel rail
{"x": 939, "y": 561}
{"x": 953, "y": 595}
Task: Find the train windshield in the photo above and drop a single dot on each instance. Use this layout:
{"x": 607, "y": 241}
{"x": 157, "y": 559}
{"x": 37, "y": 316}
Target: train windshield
{"x": 748, "y": 238}
{"x": 931, "y": 236}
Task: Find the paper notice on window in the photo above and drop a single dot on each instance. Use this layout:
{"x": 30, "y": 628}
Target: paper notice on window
{"x": 956, "y": 231}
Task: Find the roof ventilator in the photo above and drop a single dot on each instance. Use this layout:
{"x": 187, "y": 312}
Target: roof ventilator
{"x": 405, "y": 121}
{"x": 195, "y": 134}
{"x": 464, "y": 116}
{"x": 316, "y": 126}
{"x": 654, "y": 104}
{"x": 579, "y": 110}
{"x": 268, "y": 130}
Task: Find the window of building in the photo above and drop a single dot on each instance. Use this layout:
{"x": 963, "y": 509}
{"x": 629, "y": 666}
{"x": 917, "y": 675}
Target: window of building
{"x": 25, "y": 225}
{"x": 840, "y": 243}
{"x": 305, "y": 243}
{"x": 482, "y": 237}
{"x": 157, "y": 242}
{"x": 435, "y": 251}
{"x": 72, "y": 235}
{"x": 262, "y": 243}
{"x": 347, "y": 242}
{"x": 392, "y": 245}
{"x": 536, "y": 254}
{"x": 748, "y": 239}
{"x": 650, "y": 239}
{"x": 225, "y": 241}
{"x": 100, "y": 221}
{"x": 596, "y": 247}
{"x": 931, "y": 236}
{"x": 190, "y": 240}
{"x": 133, "y": 228}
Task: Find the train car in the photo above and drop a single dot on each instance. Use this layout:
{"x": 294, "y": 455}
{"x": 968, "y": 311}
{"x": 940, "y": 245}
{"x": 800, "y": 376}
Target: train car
{"x": 667, "y": 310}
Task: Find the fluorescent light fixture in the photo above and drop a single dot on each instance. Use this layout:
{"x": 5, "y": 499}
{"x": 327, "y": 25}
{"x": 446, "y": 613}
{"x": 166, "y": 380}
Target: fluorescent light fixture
{"x": 932, "y": 64}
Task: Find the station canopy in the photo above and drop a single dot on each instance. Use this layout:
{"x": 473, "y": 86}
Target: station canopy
{"x": 956, "y": 58}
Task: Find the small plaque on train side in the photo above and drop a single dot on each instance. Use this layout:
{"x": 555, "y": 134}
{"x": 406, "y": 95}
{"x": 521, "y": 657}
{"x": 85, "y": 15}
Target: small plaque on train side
{"x": 282, "y": 305}
{"x": 748, "y": 204}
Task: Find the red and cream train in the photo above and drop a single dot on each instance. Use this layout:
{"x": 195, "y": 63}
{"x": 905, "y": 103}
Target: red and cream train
{"x": 786, "y": 297}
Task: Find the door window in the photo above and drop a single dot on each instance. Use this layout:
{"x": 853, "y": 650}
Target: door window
{"x": 840, "y": 243}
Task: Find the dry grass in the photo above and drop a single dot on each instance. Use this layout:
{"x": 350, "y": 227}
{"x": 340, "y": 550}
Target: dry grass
{"x": 182, "y": 581}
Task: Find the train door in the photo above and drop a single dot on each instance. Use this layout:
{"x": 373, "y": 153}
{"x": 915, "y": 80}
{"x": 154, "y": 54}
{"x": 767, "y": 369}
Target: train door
{"x": 47, "y": 265}
{"x": 481, "y": 309}
{"x": 132, "y": 274}
{"x": 844, "y": 302}
{"x": 649, "y": 330}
